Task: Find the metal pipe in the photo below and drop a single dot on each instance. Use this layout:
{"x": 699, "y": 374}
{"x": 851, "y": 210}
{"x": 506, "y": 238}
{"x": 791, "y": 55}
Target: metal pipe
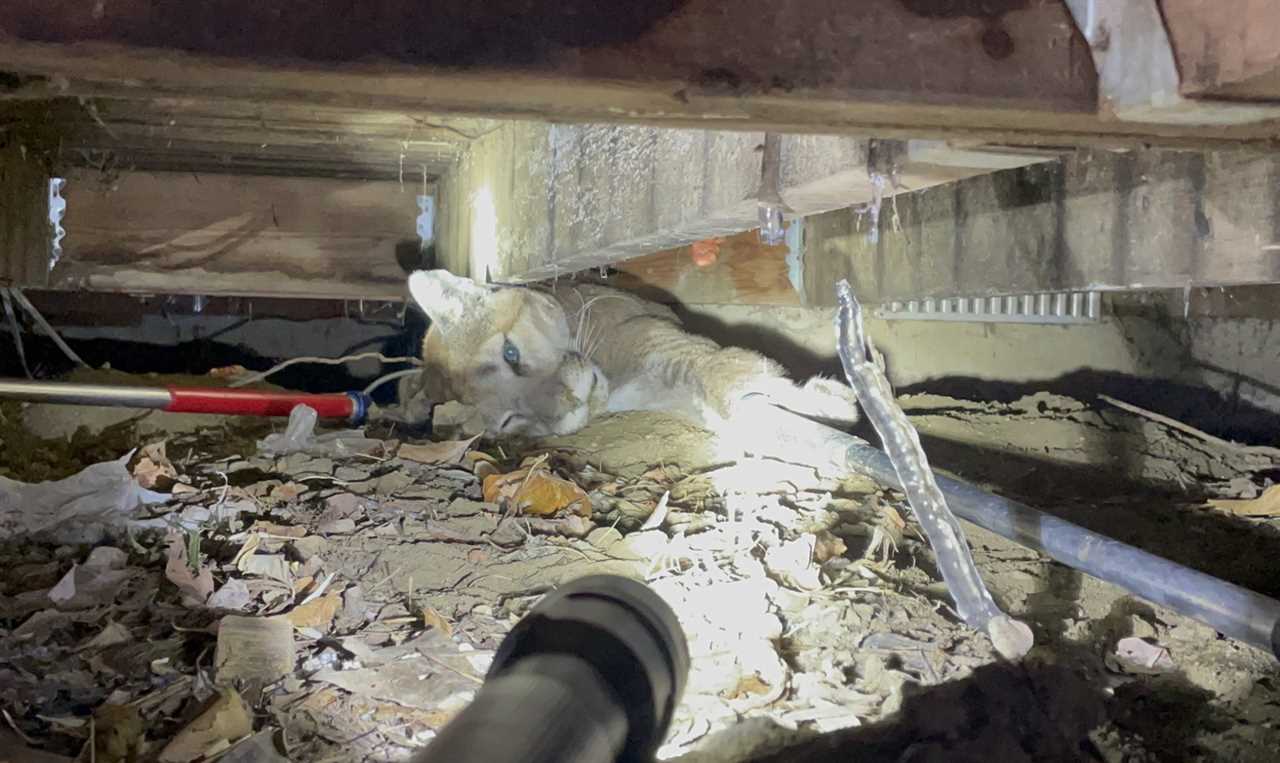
{"x": 85, "y": 394}
{"x": 1230, "y": 609}
{"x": 352, "y": 406}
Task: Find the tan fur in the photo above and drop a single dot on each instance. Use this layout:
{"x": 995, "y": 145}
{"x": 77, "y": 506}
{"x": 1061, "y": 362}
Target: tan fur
{"x": 586, "y": 349}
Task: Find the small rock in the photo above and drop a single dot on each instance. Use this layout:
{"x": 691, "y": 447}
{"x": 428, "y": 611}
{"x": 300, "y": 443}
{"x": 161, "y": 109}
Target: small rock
{"x": 465, "y": 507}
{"x": 338, "y": 527}
{"x": 1140, "y": 627}
{"x": 350, "y": 474}
{"x": 311, "y": 545}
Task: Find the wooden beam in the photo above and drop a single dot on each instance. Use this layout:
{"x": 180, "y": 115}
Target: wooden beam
{"x": 235, "y": 136}
{"x": 24, "y": 214}
{"x": 1011, "y": 71}
{"x": 1099, "y": 220}
{"x": 1226, "y": 48}
{"x": 179, "y": 233}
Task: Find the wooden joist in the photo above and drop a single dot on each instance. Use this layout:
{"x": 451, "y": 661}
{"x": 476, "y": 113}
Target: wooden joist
{"x": 1009, "y": 71}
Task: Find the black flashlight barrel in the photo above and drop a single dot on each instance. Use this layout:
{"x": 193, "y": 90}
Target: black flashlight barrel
{"x": 591, "y": 675}
{"x": 549, "y": 708}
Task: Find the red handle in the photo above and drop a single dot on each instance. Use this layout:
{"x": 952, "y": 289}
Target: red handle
{"x": 240, "y": 402}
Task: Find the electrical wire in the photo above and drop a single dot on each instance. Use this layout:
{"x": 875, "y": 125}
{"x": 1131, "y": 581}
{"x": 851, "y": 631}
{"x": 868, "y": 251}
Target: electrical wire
{"x": 17, "y": 331}
{"x": 321, "y": 361}
{"x": 391, "y": 377}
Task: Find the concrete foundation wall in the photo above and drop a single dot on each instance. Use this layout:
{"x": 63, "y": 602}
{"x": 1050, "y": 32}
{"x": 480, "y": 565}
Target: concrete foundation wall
{"x": 1221, "y": 373}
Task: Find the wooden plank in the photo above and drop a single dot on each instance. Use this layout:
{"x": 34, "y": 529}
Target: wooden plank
{"x": 224, "y": 234}
{"x": 1014, "y": 71}
{"x": 745, "y": 272}
{"x": 24, "y": 215}
{"x": 202, "y": 136}
{"x": 1098, "y": 220}
{"x": 1226, "y": 48}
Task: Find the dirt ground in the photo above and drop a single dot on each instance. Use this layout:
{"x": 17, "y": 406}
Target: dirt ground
{"x": 343, "y": 602}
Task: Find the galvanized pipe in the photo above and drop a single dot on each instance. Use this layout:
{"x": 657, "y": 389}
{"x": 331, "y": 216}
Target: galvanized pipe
{"x": 1230, "y": 609}
{"x": 85, "y": 394}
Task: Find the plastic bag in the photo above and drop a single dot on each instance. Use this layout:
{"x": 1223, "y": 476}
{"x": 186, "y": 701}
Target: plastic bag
{"x": 85, "y": 508}
{"x": 300, "y": 436}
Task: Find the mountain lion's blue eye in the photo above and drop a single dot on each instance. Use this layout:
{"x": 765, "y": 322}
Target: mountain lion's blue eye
{"x": 510, "y": 354}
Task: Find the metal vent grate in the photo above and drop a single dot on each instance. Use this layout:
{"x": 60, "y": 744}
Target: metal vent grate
{"x": 1053, "y": 308}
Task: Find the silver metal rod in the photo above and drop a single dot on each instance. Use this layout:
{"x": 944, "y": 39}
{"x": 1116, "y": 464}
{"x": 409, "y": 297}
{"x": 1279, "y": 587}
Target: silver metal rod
{"x": 84, "y": 394}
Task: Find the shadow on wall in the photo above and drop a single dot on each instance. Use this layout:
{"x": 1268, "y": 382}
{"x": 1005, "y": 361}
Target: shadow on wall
{"x": 1222, "y": 414}
{"x": 1203, "y": 408}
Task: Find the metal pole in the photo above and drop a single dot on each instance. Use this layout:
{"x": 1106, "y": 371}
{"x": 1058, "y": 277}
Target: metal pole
{"x": 84, "y": 394}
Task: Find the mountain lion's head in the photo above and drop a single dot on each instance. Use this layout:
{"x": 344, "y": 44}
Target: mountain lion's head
{"x": 509, "y": 353}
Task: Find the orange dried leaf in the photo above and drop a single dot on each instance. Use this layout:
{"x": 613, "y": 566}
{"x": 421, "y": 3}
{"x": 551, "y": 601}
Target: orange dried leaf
{"x": 1265, "y": 505}
{"x": 544, "y": 495}
{"x": 433, "y": 619}
{"x": 503, "y": 486}
{"x": 316, "y": 614}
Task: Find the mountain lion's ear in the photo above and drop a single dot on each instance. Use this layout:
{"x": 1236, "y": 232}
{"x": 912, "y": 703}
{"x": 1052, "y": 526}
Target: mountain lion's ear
{"x": 444, "y": 297}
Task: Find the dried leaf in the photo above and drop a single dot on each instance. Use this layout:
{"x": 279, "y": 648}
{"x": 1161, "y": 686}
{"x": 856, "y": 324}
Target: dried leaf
{"x": 447, "y": 452}
{"x": 112, "y": 635}
{"x": 225, "y": 720}
{"x": 196, "y": 587}
{"x": 153, "y": 470}
{"x": 481, "y": 464}
{"x": 274, "y": 566}
{"x": 282, "y": 531}
{"x": 1265, "y": 505}
{"x": 827, "y": 547}
{"x": 536, "y": 493}
{"x": 433, "y": 619}
{"x": 501, "y": 487}
{"x": 289, "y": 491}
{"x": 317, "y": 614}
{"x": 572, "y": 526}
{"x": 65, "y": 590}
{"x": 233, "y": 595}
